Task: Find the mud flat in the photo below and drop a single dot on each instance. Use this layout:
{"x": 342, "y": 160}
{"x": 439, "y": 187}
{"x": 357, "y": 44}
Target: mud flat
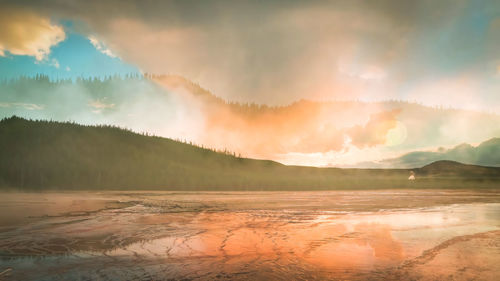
{"x": 355, "y": 235}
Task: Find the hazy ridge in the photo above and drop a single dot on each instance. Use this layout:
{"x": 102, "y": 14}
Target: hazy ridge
{"x": 486, "y": 153}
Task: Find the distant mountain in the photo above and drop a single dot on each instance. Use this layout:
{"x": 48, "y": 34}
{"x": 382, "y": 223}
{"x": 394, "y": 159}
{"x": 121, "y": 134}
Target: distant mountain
{"x": 486, "y": 154}
{"x": 67, "y": 156}
{"x": 445, "y": 168}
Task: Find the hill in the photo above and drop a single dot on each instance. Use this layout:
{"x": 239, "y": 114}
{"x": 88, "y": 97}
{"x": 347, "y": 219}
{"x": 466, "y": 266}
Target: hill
{"x": 53, "y": 155}
{"x": 445, "y": 168}
{"x": 486, "y": 153}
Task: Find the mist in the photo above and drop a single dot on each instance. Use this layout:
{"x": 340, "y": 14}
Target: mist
{"x": 301, "y": 133}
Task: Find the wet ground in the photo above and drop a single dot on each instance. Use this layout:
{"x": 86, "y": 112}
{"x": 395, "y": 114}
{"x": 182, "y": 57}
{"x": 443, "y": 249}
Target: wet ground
{"x": 338, "y": 235}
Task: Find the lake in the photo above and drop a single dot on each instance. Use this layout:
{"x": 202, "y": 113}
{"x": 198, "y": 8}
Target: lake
{"x": 335, "y": 235}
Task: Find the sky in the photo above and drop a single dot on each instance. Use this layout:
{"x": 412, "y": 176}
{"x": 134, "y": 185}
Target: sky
{"x": 435, "y": 53}
{"x": 74, "y": 56}
{"x": 276, "y": 52}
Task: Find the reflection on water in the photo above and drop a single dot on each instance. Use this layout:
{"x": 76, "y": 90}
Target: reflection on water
{"x": 421, "y": 235}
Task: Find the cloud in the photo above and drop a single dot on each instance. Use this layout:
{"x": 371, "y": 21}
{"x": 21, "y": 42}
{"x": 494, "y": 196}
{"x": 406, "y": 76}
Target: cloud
{"x": 367, "y": 73}
{"x": 100, "y": 104}
{"x": 26, "y": 33}
{"x": 374, "y": 132}
{"x": 101, "y": 46}
{"x": 264, "y": 132}
{"x": 54, "y": 63}
{"x": 28, "y": 106}
{"x": 260, "y": 62}
{"x": 460, "y": 91}
{"x": 276, "y": 52}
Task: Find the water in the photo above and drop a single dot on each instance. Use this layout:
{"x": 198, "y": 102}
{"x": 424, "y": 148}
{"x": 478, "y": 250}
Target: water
{"x": 353, "y": 235}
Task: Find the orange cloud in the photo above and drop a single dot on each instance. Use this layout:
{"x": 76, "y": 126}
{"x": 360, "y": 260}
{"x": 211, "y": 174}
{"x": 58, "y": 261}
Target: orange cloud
{"x": 375, "y": 131}
{"x": 26, "y": 33}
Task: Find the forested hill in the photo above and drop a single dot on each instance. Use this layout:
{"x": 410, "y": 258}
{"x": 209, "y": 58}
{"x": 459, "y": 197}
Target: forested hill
{"x": 53, "y": 155}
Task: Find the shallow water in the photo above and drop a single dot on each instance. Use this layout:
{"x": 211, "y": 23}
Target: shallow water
{"x": 353, "y": 235}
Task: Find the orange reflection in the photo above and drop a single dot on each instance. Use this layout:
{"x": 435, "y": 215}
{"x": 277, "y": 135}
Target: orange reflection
{"x": 242, "y": 237}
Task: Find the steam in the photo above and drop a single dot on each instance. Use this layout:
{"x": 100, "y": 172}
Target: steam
{"x": 304, "y": 132}
{"x": 263, "y": 132}
{"x": 135, "y": 104}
